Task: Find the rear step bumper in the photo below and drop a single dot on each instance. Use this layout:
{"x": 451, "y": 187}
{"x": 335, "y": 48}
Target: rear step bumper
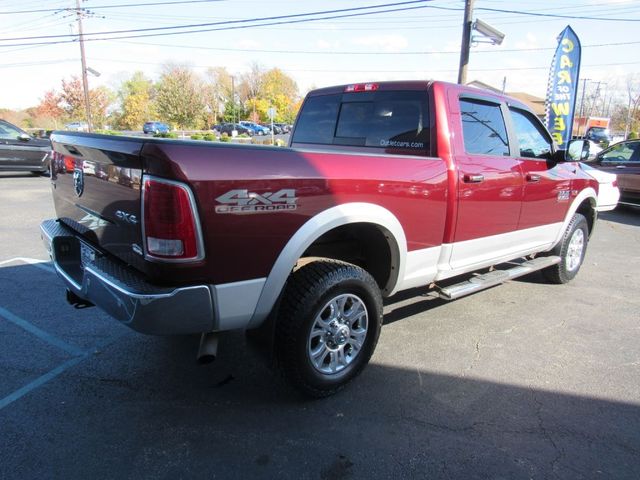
{"x": 122, "y": 292}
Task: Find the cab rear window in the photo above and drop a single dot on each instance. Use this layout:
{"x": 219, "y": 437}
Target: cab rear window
{"x": 383, "y": 119}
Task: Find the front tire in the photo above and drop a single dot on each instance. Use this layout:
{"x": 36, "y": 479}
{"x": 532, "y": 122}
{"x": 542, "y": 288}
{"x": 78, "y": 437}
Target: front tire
{"x": 328, "y": 326}
{"x": 571, "y": 251}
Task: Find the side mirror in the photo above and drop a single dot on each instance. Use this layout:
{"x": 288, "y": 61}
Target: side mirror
{"x": 577, "y": 150}
{"x": 24, "y": 137}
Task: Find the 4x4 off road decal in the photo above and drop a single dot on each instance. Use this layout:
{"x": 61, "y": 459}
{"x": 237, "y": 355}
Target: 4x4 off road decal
{"x": 244, "y": 201}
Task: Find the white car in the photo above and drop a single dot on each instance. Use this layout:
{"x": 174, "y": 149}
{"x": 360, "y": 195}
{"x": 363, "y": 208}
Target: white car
{"x": 608, "y": 192}
{"x": 77, "y": 126}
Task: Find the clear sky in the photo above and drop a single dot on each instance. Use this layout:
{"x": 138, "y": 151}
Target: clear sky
{"x": 421, "y": 43}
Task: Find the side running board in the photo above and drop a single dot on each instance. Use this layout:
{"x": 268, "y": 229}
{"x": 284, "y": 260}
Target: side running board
{"x": 496, "y": 277}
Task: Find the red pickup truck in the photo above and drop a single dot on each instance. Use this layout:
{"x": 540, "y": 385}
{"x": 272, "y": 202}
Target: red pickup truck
{"x": 385, "y": 187}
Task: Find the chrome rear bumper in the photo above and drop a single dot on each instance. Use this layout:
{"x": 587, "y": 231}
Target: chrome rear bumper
{"x": 122, "y": 292}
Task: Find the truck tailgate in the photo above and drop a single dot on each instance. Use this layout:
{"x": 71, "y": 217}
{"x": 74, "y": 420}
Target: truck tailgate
{"x": 96, "y": 181}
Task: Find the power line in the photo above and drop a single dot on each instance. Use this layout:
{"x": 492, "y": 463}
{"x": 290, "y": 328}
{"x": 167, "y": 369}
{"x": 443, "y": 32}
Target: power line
{"x": 235, "y": 27}
{"x": 452, "y": 70}
{"x": 225, "y": 22}
{"x": 321, "y": 52}
{"x": 555, "y": 15}
{"x": 42, "y": 10}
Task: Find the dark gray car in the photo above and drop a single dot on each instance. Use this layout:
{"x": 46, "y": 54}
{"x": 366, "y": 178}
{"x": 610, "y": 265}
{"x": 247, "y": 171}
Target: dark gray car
{"x": 19, "y": 151}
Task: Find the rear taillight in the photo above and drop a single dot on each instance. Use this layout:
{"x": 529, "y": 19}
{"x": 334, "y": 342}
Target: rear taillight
{"x": 171, "y": 230}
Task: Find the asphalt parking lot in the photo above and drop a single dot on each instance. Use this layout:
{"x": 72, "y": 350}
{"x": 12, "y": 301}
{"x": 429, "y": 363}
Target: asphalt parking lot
{"x": 526, "y": 380}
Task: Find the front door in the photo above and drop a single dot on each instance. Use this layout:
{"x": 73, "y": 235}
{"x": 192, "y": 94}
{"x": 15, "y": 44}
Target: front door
{"x": 547, "y": 185}
{"x": 16, "y": 151}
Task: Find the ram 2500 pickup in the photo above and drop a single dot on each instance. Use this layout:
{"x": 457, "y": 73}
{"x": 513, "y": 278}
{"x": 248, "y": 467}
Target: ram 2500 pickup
{"x": 384, "y": 187}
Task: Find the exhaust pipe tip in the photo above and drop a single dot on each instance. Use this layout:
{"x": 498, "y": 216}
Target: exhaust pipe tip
{"x": 208, "y": 349}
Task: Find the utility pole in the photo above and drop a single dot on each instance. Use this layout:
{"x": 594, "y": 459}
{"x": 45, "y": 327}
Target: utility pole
{"x": 83, "y": 60}
{"x": 584, "y": 88}
{"x": 595, "y": 98}
{"x": 466, "y": 42}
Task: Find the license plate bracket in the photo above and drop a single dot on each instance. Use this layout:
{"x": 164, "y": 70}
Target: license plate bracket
{"x": 87, "y": 255}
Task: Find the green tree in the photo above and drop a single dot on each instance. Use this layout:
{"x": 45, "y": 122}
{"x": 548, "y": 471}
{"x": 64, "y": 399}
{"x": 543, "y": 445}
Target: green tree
{"x": 233, "y": 112}
{"x": 179, "y": 98}
{"x": 136, "y": 100}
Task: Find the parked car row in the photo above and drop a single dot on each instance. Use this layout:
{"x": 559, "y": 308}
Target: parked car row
{"x": 251, "y": 128}
{"x": 155, "y": 127}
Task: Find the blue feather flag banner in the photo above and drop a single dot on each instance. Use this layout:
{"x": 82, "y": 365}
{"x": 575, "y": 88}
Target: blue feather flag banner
{"x": 563, "y": 87}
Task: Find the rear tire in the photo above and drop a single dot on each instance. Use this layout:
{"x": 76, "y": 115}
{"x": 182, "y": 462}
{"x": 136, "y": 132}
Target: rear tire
{"x": 571, "y": 251}
{"x": 328, "y": 326}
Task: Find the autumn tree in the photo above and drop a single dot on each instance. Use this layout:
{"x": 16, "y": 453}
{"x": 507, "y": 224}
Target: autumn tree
{"x": 217, "y": 92}
{"x": 251, "y": 86}
{"x": 100, "y": 99}
{"x": 136, "y": 95}
{"x": 72, "y": 99}
{"x": 281, "y": 91}
{"x": 73, "y": 104}
{"x": 49, "y": 109}
{"x": 179, "y": 98}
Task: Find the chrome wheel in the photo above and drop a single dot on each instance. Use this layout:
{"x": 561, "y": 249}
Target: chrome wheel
{"x": 575, "y": 250}
{"x": 338, "y": 334}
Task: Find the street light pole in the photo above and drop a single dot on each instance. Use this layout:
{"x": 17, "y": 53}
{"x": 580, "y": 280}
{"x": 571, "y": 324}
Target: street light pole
{"x": 233, "y": 97}
{"x": 466, "y": 42}
{"x": 83, "y": 60}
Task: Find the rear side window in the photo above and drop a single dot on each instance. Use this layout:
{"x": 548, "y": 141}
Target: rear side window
{"x": 483, "y": 128}
{"x": 384, "y": 119}
{"x": 317, "y": 121}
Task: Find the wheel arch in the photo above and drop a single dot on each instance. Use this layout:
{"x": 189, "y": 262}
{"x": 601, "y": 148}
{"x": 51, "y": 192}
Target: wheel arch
{"x": 332, "y": 220}
{"x": 584, "y": 203}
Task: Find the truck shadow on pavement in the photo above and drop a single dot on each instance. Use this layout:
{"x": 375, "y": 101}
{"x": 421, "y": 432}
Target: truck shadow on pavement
{"x": 135, "y": 406}
{"x": 624, "y": 214}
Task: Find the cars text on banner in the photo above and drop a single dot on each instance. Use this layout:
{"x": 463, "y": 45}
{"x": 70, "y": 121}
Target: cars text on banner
{"x": 563, "y": 86}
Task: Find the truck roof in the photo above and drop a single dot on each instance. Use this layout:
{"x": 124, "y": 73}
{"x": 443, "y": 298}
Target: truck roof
{"x": 419, "y": 85}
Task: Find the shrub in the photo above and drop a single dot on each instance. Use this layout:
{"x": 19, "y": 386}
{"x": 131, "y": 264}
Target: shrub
{"x": 209, "y": 137}
{"x": 225, "y": 138}
{"x": 166, "y": 135}
{"x": 632, "y": 135}
{"x": 197, "y": 136}
{"x": 108, "y": 132}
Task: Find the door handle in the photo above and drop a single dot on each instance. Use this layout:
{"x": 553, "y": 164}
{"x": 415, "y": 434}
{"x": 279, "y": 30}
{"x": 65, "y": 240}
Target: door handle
{"x": 473, "y": 178}
{"x": 533, "y": 177}
{"x": 621, "y": 166}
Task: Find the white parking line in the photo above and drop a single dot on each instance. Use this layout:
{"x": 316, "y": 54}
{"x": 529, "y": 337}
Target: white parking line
{"x": 77, "y": 353}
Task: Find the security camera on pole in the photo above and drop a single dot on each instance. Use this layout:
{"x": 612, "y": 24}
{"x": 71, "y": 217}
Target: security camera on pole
{"x": 488, "y": 35}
